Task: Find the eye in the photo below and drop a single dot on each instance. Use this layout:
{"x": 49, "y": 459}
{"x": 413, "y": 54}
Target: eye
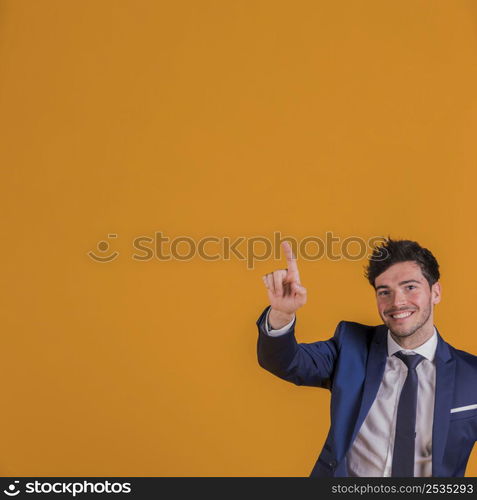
{"x": 411, "y": 287}
{"x": 383, "y": 292}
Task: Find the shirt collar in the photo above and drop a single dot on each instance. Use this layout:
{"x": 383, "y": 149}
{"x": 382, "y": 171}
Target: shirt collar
{"x": 428, "y": 349}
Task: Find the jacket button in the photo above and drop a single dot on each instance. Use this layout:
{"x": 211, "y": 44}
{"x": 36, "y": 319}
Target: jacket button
{"x": 332, "y": 463}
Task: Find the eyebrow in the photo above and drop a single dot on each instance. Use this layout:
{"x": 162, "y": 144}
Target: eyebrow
{"x": 400, "y": 283}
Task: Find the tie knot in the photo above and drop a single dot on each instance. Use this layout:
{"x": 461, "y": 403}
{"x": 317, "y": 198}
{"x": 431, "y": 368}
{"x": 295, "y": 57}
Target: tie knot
{"x": 410, "y": 360}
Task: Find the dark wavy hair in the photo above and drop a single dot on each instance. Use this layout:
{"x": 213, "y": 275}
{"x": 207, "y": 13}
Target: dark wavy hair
{"x": 393, "y": 251}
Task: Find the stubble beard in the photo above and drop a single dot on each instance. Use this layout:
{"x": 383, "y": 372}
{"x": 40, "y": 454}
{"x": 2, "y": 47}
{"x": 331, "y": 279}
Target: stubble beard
{"x": 407, "y": 333}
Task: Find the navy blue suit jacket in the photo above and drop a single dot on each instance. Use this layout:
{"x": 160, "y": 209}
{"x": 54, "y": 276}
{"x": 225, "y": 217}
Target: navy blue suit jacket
{"x": 351, "y": 365}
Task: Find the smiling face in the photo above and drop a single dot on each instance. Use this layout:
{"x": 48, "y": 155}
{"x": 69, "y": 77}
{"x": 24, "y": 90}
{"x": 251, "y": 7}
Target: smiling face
{"x": 406, "y": 303}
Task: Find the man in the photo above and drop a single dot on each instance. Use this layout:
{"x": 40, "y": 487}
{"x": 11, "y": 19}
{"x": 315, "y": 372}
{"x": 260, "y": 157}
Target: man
{"x": 403, "y": 401}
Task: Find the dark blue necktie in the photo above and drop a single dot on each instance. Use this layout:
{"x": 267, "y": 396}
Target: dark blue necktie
{"x": 404, "y": 441}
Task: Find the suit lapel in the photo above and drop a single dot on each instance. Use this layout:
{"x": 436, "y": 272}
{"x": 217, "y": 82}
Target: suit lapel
{"x": 445, "y": 374}
{"x": 374, "y": 373}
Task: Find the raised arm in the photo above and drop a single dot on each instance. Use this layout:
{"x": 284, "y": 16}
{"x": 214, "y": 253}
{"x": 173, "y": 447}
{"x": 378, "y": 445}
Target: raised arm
{"x": 299, "y": 363}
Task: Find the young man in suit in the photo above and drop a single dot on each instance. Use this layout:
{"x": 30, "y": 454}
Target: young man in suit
{"x": 403, "y": 401}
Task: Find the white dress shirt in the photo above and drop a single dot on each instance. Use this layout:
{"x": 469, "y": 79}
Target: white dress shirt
{"x": 371, "y": 452}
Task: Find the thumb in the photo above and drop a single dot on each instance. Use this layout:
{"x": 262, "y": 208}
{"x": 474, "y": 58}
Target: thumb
{"x": 298, "y": 289}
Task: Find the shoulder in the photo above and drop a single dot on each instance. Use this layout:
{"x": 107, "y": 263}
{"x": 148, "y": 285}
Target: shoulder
{"x": 352, "y": 332}
{"x": 359, "y": 328}
{"x": 464, "y": 357}
{"x": 465, "y": 362}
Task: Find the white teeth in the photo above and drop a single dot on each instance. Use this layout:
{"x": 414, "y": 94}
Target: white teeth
{"x": 401, "y": 315}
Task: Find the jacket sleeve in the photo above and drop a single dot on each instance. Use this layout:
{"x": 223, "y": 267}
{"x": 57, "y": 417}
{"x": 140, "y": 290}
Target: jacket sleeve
{"x": 300, "y": 363}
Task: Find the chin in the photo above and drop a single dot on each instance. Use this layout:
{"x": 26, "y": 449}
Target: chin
{"x": 401, "y": 333}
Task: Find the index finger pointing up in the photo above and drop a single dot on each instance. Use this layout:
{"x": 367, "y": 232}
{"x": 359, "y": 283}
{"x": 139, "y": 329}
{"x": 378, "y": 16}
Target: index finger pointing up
{"x": 292, "y": 274}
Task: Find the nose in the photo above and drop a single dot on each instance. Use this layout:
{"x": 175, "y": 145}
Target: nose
{"x": 399, "y": 299}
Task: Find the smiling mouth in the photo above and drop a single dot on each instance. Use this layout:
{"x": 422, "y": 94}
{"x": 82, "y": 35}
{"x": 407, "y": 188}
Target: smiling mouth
{"x": 402, "y": 315}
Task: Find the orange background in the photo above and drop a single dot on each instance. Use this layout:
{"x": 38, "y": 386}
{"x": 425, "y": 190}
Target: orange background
{"x": 223, "y": 119}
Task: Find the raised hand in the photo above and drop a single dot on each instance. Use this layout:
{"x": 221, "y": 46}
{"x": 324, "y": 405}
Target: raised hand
{"x": 285, "y": 292}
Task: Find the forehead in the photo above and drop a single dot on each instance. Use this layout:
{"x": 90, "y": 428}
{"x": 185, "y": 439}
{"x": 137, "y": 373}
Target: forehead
{"x": 402, "y": 271}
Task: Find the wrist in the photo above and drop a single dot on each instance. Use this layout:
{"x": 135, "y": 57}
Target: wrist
{"x": 278, "y": 319}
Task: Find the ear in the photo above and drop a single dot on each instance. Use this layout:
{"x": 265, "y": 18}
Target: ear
{"x": 436, "y": 292}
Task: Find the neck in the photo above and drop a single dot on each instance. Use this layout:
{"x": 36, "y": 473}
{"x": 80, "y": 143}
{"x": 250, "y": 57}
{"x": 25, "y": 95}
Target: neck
{"x": 416, "y": 339}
